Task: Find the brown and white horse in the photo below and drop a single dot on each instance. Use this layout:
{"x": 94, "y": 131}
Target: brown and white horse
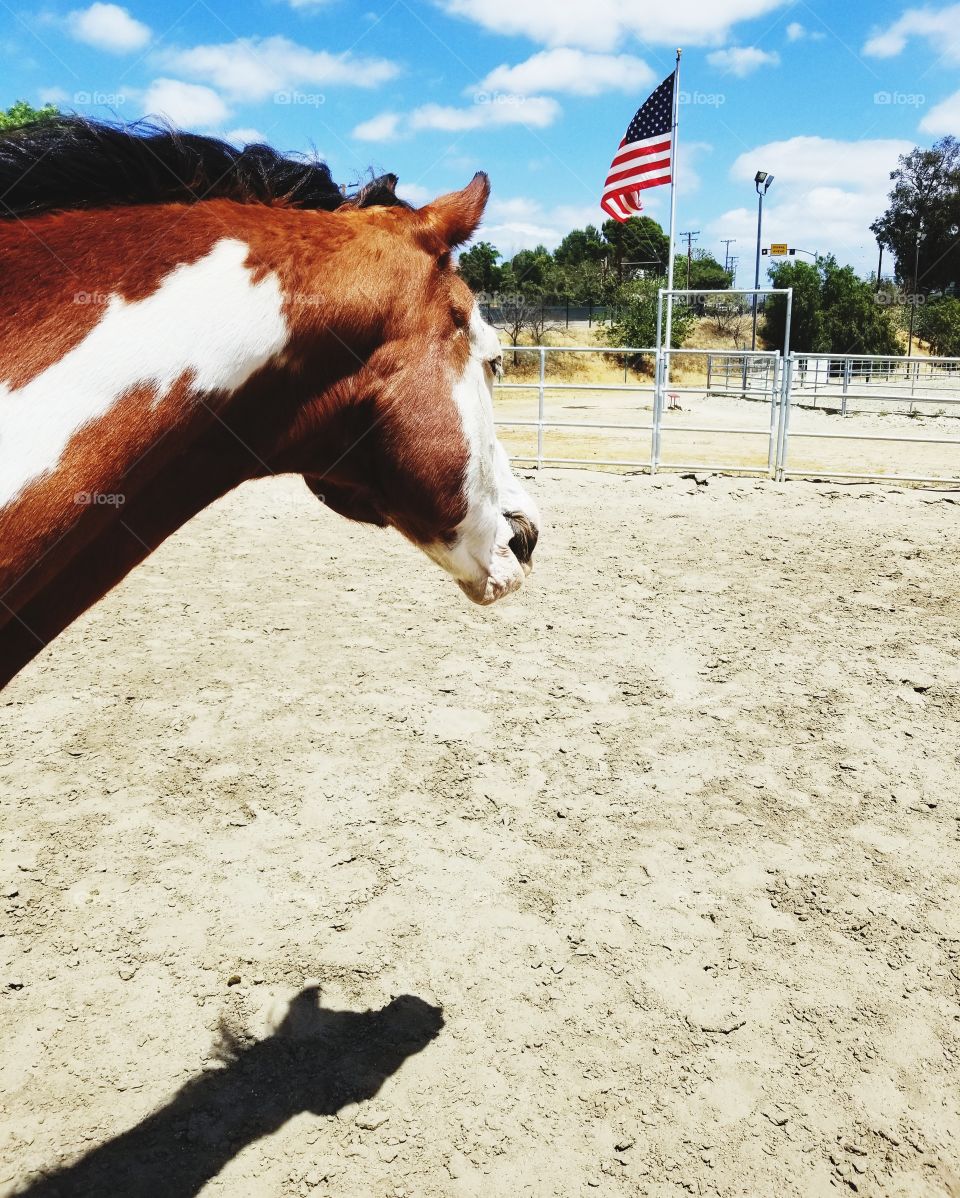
{"x": 181, "y": 316}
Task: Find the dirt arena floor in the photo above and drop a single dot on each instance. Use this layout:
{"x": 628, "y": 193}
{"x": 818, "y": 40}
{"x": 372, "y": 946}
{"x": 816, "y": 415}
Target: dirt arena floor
{"x": 671, "y": 838}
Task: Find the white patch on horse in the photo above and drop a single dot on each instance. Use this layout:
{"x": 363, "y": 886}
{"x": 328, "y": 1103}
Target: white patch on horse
{"x": 480, "y": 558}
{"x": 208, "y": 318}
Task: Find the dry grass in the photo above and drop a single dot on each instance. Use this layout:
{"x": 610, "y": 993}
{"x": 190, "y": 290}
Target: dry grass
{"x": 609, "y": 367}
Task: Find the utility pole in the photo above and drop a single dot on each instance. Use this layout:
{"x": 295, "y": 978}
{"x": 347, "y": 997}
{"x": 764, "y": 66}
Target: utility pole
{"x": 727, "y": 243}
{"x": 690, "y": 240}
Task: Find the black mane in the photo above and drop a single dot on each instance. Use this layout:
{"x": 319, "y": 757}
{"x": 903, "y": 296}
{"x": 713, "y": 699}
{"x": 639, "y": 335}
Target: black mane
{"x": 72, "y": 162}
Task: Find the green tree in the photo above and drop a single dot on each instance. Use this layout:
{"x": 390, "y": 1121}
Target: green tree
{"x": 806, "y": 332}
{"x": 706, "y": 273}
{"x": 581, "y": 246}
{"x": 22, "y": 113}
{"x": 638, "y": 240}
{"x": 834, "y": 311}
{"x": 478, "y": 267}
{"x": 938, "y": 323}
{"x": 533, "y": 270}
{"x": 588, "y": 282}
{"x": 854, "y": 323}
{"x": 636, "y": 321}
{"x": 925, "y": 199}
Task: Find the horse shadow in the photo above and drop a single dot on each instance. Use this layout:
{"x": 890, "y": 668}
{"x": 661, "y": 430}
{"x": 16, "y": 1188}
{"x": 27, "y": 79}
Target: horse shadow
{"x": 316, "y": 1061}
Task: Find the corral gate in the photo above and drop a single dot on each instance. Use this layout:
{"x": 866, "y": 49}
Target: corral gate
{"x": 771, "y": 369}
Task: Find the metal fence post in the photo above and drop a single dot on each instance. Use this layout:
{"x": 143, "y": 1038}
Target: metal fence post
{"x": 657, "y": 408}
{"x": 657, "y": 389}
{"x": 775, "y": 403}
{"x": 540, "y": 406}
{"x": 709, "y": 370}
{"x": 783, "y": 440}
{"x": 846, "y": 386}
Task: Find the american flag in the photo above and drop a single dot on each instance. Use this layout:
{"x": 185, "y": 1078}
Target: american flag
{"x": 643, "y": 158}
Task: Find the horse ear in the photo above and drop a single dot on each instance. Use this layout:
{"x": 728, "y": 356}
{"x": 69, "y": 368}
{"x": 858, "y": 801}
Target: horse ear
{"x": 452, "y": 219}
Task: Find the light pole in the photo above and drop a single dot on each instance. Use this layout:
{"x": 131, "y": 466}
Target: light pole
{"x": 763, "y": 181}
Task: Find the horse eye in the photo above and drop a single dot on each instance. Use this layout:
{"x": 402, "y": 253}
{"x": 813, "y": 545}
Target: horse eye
{"x": 459, "y": 319}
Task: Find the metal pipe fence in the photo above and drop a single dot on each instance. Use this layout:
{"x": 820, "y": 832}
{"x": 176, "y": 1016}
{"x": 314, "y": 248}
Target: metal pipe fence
{"x": 635, "y": 392}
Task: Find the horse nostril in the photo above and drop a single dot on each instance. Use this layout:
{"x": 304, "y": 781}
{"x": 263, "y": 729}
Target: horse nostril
{"x": 524, "y": 539}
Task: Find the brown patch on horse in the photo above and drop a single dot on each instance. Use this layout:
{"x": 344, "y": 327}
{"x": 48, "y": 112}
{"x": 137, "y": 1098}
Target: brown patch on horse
{"x": 452, "y": 219}
{"x": 359, "y": 399}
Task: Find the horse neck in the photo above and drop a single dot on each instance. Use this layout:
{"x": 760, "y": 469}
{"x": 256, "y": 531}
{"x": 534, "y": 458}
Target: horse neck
{"x": 107, "y": 542}
{"x": 128, "y": 422}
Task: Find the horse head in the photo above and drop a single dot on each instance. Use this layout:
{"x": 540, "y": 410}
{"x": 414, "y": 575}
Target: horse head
{"x": 414, "y": 444}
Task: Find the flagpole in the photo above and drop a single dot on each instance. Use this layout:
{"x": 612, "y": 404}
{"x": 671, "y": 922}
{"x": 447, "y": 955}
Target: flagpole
{"x": 673, "y": 206}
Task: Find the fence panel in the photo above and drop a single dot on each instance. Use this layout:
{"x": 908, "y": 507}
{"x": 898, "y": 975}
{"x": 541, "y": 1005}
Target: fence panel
{"x": 827, "y": 416}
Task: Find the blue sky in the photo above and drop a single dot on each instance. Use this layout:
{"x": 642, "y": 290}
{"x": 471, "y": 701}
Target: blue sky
{"x": 536, "y": 92}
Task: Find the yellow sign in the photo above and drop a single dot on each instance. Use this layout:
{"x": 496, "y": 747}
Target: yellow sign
{"x": 779, "y": 249}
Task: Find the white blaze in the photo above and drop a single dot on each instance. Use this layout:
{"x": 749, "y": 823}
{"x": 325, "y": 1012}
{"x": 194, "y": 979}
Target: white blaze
{"x": 480, "y": 557}
{"x": 208, "y": 318}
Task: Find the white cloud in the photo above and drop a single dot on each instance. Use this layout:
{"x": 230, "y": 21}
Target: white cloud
{"x": 537, "y": 111}
{"x": 494, "y": 112}
{"x": 244, "y": 136}
{"x": 825, "y": 194}
{"x": 383, "y": 127}
{"x": 742, "y": 60}
{"x": 414, "y": 193}
{"x": 521, "y": 223}
{"x": 252, "y": 68}
{"x": 53, "y": 95}
{"x": 566, "y": 70}
{"x": 688, "y": 178}
{"x": 940, "y": 27}
{"x": 865, "y": 165}
{"x": 798, "y": 33}
{"x": 189, "y": 105}
{"x": 108, "y": 27}
{"x": 943, "y": 117}
{"x": 605, "y": 24}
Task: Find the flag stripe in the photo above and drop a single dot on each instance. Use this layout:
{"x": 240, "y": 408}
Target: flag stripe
{"x": 640, "y": 169}
{"x": 636, "y": 184}
{"x": 640, "y": 149}
{"x": 644, "y": 157}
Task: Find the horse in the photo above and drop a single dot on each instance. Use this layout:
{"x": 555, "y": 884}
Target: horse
{"x": 182, "y": 316}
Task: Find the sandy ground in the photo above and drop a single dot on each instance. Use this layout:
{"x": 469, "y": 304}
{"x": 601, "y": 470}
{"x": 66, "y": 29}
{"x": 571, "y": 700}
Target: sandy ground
{"x": 693, "y": 436}
{"x": 671, "y": 838}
